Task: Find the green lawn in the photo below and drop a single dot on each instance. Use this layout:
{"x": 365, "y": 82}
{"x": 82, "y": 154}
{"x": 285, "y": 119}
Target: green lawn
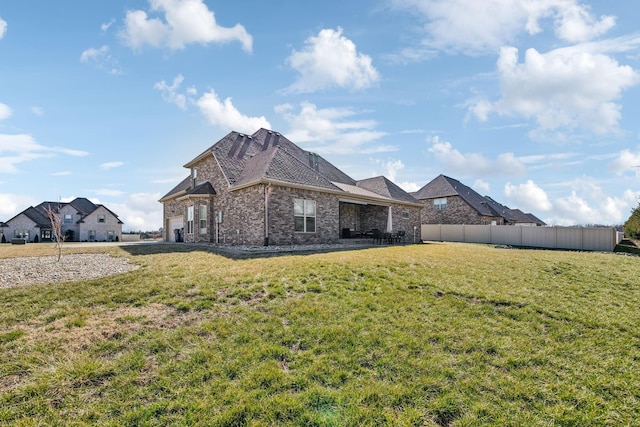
{"x": 425, "y": 335}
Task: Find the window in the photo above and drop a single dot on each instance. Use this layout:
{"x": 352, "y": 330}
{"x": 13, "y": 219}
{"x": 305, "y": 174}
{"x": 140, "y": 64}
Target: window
{"x": 101, "y": 218}
{"x": 202, "y": 216}
{"x": 21, "y": 234}
{"x": 67, "y": 218}
{"x": 189, "y": 219}
{"x": 304, "y": 214}
{"x": 440, "y": 204}
{"x": 406, "y": 215}
{"x": 110, "y": 235}
{"x": 45, "y": 234}
{"x": 92, "y": 235}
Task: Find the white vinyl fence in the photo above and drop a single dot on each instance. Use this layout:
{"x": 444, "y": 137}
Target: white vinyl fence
{"x": 580, "y": 238}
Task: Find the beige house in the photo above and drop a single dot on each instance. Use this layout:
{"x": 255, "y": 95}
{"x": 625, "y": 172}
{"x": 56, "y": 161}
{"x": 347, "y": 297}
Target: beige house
{"x": 262, "y": 189}
{"x": 81, "y": 221}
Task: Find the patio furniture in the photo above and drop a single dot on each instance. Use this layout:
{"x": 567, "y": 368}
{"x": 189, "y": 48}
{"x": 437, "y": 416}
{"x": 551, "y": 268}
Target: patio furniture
{"x": 401, "y": 235}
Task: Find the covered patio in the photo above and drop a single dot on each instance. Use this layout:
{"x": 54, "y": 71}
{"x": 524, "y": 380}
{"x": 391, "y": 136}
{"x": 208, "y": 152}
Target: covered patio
{"x": 361, "y": 219}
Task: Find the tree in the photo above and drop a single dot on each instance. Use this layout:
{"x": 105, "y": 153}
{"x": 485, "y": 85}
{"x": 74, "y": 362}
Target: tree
{"x": 56, "y": 227}
{"x": 632, "y": 226}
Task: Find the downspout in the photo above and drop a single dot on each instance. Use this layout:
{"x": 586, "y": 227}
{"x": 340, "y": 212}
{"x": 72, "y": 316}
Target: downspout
{"x": 267, "y": 194}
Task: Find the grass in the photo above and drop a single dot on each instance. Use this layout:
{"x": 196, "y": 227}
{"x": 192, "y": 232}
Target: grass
{"x": 427, "y": 335}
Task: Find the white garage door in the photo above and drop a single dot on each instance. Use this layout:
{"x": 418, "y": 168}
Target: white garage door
{"x": 175, "y": 222}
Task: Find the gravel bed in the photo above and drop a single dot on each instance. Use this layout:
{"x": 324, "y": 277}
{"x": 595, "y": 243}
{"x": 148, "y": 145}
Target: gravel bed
{"x": 72, "y": 267}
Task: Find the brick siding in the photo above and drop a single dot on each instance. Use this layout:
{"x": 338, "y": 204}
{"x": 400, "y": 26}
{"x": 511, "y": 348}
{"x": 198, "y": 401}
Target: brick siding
{"x": 457, "y": 212}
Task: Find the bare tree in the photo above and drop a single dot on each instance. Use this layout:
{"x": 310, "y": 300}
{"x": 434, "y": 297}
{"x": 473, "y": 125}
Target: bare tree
{"x": 56, "y": 227}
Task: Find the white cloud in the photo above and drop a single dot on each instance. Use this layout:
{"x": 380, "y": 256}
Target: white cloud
{"x": 107, "y": 25}
{"x": 588, "y": 204}
{"x": 625, "y": 161}
{"x": 392, "y": 168}
{"x": 110, "y": 165}
{"x": 564, "y": 89}
{"x": 479, "y": 27}
{"x": 61, "y": 173}
{"x": 12, "y": 204}
{"x": 331, "y": 60}
{"x": 227, "y": 116}
{"x": 528, "y": 197}
{"x": 217, "y": 112}
{"x": 481, "y": 185}
{"x": 38, "y": 111}
{"x": 474, "y": 163}
{"x": 140, "y": 212}
{"x": 585, "y": 203}
{"x": 574, "y": 23}
{"x": 101, "y": 59}
{"x": 332, "y": 130}
{"x": 185, "y": 22}
{"x": 3, "y": 28}
{"x": 5, "y": 111}
{"x": 170, "y": 92}
{"x": 16, "y": 149}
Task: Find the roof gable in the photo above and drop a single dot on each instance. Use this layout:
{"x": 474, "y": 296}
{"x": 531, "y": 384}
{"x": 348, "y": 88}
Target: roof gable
{"x": 383, "y": 186}
{"x": 37, "y": 217}
{"x": 83, "y": 205}
{"x": 443, "y": 186}
{"x": 268, "y": 155}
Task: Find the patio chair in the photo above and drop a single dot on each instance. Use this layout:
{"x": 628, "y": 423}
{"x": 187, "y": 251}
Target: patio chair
{"x": 401, "y": 236}
{"x": 377, "y": 236}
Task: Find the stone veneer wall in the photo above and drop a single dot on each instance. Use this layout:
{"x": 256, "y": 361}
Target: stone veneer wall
{"x": 407, "y": 224}
{"x": 350, "y": 217}
{"x": 243, "y": 213}
{"x": 373, "y": 216}
{"x": 457, "y": 212}
{"x": 281, "y": 221}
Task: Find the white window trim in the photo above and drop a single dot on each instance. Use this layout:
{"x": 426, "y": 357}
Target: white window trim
{"x": 202, "y": 216}
{"x": 190, "y": 212}
{"x": 304, "y": 215}
{"x": 440, "y": 204}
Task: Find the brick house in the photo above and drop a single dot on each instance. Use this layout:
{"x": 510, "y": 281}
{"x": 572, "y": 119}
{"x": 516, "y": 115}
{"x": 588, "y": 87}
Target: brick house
{"x": 81, "y": 221}
{"x": 448, "y": 201}
{"x": 262, "y": 189}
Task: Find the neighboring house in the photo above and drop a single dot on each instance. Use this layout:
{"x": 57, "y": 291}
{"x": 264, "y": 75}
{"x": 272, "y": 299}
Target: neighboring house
{"x": 262, "y": 189}
{"x": 515, "y": 216}
{"x": 448, "y": 201}
{"x": 80, "y": 221}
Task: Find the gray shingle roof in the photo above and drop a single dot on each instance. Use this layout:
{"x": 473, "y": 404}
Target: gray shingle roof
{"x": 37, "y": 217}
{"x": 204, "y": 188}
{"x": 83, "y": 205}
{"x": 383, "y": 186}
{"x": 279, "y": 164}
{"x": 443, "y": 186}
{"x": 183, "y": 186}
{"x": 267, "y": 155}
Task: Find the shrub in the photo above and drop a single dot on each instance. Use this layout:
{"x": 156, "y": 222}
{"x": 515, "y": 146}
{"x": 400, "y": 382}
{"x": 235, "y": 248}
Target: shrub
{"x": 632, "y": 226}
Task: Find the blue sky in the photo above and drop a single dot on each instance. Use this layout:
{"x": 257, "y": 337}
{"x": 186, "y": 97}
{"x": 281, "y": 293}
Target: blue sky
{"x": 532, "y": 102}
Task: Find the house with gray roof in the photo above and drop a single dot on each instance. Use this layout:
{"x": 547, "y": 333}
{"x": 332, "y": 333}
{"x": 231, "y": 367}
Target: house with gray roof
{"x": 262, "y": 189}
{"x": 448, "y": 201}
{"x": 80, "y": 220}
